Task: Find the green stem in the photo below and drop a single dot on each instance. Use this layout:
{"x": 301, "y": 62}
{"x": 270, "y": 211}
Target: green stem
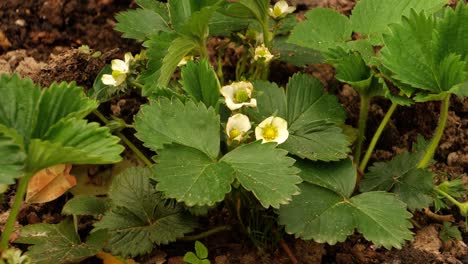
{"x": 449, "y": 197}
{"x": 377, "y": 135}
{"x": 206, "y": 233}
{"x": 19, "y": 197}
{"x": 137, "y": 84}
{"x": 438, "y": 133}
{"x": 203, "y": 49}
{"x": 363, "y": 114}
{"x": 125, "y": 140}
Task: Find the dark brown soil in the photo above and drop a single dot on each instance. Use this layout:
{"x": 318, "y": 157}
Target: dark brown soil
{"x": 39, "y": 38}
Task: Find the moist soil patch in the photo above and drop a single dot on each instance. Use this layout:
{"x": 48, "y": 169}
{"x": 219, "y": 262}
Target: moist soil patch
{"x": 39, "y": 39}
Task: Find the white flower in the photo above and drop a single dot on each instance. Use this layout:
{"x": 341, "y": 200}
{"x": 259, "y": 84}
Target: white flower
{"x": 237, "y": 126}
{"x": 238, "y": 94}
{"x": 272, "y": 129}
{"x": 262, "y": 52}
{"x": 184, "y": 60}
{"x": 120, "y": 69}
{"x": 281, "y": 9}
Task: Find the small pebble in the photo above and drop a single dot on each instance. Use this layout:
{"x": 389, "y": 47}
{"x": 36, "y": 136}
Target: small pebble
{"x": 20, "y": 22}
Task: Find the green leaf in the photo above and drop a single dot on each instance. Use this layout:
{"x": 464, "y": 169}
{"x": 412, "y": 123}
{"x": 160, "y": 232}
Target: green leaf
{"x": 325, "y": 194}
{"x": 157, "y": 46}
{"x": 189, "y": 176}
{"x": 140, "y": 23}
{"x": 265, "y": 171}
{"x": 380, "y": 217}
{"x": 402, "y": 177}
{"x": 339, "y": 177}
{"x": 450, "y": 232}
{"x": 258, "y": 7}
{"x": 311, "y": 117}
{"x": 59, "y": 243}
{"x": 164, "y": 122}
{"x": 271, "y": 100}
{"x": 178, "y": 48}
{"x": 190, "y": 257}
{"x": 74, "y": 141}
{"x": 324, "y": 29}
{"x": 372, "y": 17}
{"x": 222, "y": 24}
{"x": 12, "y": 161}
{"x": 18, "y": 104}
{"x": 60, "y": 101}
{"x": 85, "y": 205}
{"x": 201, "y": 250}
{"x": 452, "y": 33}
{"x": 295, "y": 54}
{"x": 180, "y": 11}
{"x": 307, "y": 103}
{"x": 418, "y": 56}
{"x": 139, "y": 217}
{"x": 197, "y": 24}
{"x": 155, "y": 6}
{"x": 200, "y": 82}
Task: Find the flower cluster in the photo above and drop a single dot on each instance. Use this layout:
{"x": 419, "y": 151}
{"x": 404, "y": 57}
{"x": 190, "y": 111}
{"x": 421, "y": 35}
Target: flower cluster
{"x": 262, "y": 54}
{"x": 239, "y": 94}
{"x": 120, "y": 70}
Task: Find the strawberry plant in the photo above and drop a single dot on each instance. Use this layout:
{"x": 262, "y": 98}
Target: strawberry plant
{"x": 277, "y": 159}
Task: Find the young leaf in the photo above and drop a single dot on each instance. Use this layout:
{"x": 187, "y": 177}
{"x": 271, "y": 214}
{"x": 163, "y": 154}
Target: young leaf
{"x": 402, "y": 177}
{"x": 139, "y": 217}
{"x": 257, "y": 8}
{"x": 59, "y": 243}
{"x": 178, "y": 48}
{"x": 74, "y": 141}
{"x": 190, "y": 176}
{"x": 138, "y": 24}
{"x": 49, "y": 184}
{"x": 197, "y": 24}
{"x": 265, "y": 171}
{"x": 372, "y": 17}
{"x": 85, "y": 205}
{"x": 201, "y": 250}
{"x": 325, "y": 195}
{"x": 12, "y": 161}
{"x": 450, "y": 232}
{"x": 200, "y": 82}
{"x": 324, "y": 29}
{"x": 164, "y": 122}
{"x": 221, "y": 24}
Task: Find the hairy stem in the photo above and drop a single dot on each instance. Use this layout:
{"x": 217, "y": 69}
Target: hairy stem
{"x": 19, "y": 197}
{"x": 449, "y": 197}
{"x": 137, "y": 84}
{"x": 376, "y": 136}
{"x": 363, "y": 114}
{"x": 125, "y": 140}
{"x": 206, "y": 233}
{"x": 438, "y": 133}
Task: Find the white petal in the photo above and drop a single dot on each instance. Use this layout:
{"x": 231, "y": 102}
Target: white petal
{"x": 240, "y": 122}
{"x": 119, "y": 79}
{"x": 128, "y": 58}
{"x": 283, "y": 5}
{"x": 227, "y": 91}
{"x": 283, "y": 135}
{"x": 120, "y": 66}
{"x": 270, "y": 12}
{"x": 279, "y": 123}
{"x": 258, "y": 134}
{"x": 252, "y": 103}
{"x": 107, "y": 79}
{"x": 290, "y": 9}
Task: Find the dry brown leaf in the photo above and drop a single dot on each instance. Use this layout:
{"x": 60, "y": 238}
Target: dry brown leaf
{"x": 50, "y": 183}
{"x": 108, "y": 258}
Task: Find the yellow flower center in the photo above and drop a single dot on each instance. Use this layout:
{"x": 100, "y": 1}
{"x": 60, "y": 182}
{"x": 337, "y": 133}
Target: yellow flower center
{"x": 270, "y": 132}
{"x": 234, "y": 133}
{"x": 241, "y": 96}
{"x": 277, "y": 11}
